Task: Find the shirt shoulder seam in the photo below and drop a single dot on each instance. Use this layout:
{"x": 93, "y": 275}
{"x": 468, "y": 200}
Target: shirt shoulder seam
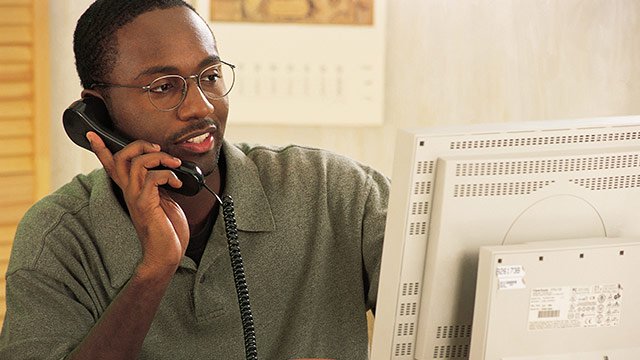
{"x": 46, "y": 234}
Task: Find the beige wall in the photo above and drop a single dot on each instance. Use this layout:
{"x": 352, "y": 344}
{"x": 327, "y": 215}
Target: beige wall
{"x": 463, "y": 61}
{"x": 471, "y": 61}
{"x": 67, "y": 158}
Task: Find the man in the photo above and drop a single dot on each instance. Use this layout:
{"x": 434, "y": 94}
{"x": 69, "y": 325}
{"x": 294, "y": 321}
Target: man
{"x": 112, "y": 266}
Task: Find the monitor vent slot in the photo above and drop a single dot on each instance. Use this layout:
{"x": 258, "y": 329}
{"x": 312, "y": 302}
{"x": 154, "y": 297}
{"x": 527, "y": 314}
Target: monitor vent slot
{"x": 403, "y": 349}
{"x": 422, "y": 188}
{"x": 419, "y": 208}
{"x": 499, "y": 189}
{"x": 418, "y": 228}
{"x": 453, "y": 332}
{"x": 590, "y": 163}
{"x": 408, "y": 309}
{"x": 406, "y": 329}
{"x": 609, "y": 183}
{"x": 451, "y": 352}
{"x": 409, "y": 289}
{"x": 545, "y": 140}
{"x": 424, "y": 167}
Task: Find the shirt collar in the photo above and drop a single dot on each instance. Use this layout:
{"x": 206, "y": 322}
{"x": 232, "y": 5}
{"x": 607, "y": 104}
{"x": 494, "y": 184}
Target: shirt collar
{"x": 252, "y": 208}
{"x": 116, "y": 236}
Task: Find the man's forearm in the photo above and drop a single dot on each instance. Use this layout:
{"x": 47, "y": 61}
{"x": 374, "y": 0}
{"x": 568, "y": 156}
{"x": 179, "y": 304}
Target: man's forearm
{"x": 121, "y": 330}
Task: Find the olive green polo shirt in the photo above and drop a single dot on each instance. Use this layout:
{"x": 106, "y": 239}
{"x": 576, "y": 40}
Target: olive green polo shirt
{"x": 311, "y": 225}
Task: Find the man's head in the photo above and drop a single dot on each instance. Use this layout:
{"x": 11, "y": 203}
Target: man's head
{"x": 94, "y": 42}
{"x": 132, "y": 43}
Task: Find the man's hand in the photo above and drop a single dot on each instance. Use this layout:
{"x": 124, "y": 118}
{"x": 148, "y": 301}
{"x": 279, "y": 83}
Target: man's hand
{"x": 160, "y": 223}
{"x": 163, "y": 231}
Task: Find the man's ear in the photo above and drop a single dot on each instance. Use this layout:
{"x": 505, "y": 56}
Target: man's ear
{"x": 90, "y": 92}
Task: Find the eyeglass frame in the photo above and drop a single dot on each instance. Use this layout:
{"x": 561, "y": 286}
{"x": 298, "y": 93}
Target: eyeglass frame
{"x": 147, "y": 87}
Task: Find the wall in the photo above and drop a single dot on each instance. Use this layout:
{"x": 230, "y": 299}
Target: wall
{"x": 448, "y": 61}
{"x": 67, "y": 158}
{"x": 472, "y": 61}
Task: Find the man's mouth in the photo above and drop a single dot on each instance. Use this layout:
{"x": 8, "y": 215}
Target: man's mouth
{"x": 198, "y": 139}
{"x": 198, "y": 144}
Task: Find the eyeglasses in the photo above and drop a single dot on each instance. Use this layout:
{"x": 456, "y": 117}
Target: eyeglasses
{"x": 168, "y": 92}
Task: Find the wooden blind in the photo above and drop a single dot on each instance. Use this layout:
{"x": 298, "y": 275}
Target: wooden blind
{"x": 24, "y": 115}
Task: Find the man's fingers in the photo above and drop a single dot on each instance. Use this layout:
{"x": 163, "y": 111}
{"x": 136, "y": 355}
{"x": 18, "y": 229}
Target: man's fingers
{"x": 122, "y": 160}
{"x": 124, "y": 157}
{"x": 102, "y": 153}
{"x": 162, "y": 177}
{"x": 136, "y": 148}
{"x": 157, "y": 178}
{"x": 151, "y": 161}
{"x": 141, "y": 165}
{"x": 120, "y": 165}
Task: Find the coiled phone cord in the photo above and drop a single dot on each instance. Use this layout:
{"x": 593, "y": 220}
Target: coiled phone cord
{"x": 242, "y": 290}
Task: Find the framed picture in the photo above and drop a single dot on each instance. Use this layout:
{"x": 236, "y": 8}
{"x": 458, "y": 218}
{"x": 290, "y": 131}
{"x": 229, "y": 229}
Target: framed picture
{"x": 303, "y": 62}
{"x": 352, "y": 12}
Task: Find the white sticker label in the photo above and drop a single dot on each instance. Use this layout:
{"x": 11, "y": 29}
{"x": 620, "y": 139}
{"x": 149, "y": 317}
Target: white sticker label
{"x": 575, "y": 307}
{"x": 510, "y": 277}
{"x": 511, "y": 283}
{"x": 509, "y": 271}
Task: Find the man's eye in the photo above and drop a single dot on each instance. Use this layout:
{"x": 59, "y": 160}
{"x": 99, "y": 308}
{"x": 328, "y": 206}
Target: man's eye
{"x": 211, "y": 77}
{"x": 161, "y": 88}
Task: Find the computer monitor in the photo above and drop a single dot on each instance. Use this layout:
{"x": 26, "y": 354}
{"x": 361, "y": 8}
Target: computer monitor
{"x": 455, "y": 189}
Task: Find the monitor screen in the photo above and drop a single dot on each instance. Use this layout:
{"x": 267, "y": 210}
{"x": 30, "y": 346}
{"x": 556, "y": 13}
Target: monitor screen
{"x": 456, "y": 189}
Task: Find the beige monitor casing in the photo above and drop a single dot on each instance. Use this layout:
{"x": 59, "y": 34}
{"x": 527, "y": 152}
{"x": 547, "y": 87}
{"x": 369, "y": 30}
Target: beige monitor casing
{"x": 459, "y": 188}
{"x": 561, "y": 300}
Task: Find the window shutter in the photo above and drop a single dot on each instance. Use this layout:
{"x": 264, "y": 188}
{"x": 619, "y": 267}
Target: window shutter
{"x": 24, "y": 117}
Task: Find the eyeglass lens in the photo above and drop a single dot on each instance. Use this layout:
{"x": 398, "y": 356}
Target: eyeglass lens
{"x": 168, "y": 92}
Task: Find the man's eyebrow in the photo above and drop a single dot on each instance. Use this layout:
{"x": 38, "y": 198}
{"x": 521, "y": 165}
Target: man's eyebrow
{"x": 163, "y": 69}
{"x": 211, "y": 59}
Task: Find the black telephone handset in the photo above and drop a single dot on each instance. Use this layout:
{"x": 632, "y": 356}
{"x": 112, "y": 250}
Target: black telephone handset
{"x": 90, "y": 114}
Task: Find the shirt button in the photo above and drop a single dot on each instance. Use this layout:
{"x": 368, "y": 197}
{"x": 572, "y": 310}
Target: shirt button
{"x": 202, "y": 278}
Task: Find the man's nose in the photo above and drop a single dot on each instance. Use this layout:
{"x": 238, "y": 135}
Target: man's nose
{"x": 195, "y": 104}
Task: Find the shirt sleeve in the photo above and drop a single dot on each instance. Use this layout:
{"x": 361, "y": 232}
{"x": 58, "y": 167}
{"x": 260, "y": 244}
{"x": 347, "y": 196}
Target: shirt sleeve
{"x": 373, "y": 226}
{"x": 45, "y": 317}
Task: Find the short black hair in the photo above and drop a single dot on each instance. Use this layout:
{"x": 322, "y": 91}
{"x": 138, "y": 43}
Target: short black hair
{"x": 94, "y": 43}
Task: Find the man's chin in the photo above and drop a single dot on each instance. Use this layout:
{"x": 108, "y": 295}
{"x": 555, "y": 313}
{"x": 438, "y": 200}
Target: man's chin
{"x": 208, "y": 162}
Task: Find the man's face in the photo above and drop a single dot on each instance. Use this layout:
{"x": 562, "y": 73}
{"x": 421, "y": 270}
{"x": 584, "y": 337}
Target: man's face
{"x": 168, "y": 42}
